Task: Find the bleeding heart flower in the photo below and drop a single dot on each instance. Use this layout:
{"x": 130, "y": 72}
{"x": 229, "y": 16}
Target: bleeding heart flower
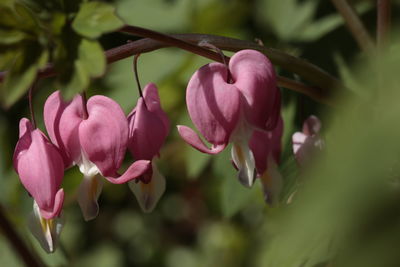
{"x": 306, "y": 143}
{"x": 95, "y": 141}
{"x": 148, "y": 129}
{"x": 40, "y": 167}
{"x": 266, "y": 148}
{"x": 229, "y": 110}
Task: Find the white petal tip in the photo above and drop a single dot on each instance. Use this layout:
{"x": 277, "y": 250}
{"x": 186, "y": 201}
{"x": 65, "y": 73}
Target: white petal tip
{"x": 46, "y": 231}
{"x": 246, "y": 178}
{"x": 149, "y": 194}
{"x": 88, "y": 194}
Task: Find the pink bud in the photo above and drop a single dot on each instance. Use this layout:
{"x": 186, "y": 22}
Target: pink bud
{"x": 306, "y": 143}
{"x": 148, "y": 129}
{"x": 148, "y": 125}
{"x": 41, "y": 169}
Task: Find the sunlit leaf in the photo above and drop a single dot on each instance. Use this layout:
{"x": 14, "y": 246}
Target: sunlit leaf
{"x": 95, "y": 18}
{"x": 164, "y": 15}
{"x": 91, "y": 55}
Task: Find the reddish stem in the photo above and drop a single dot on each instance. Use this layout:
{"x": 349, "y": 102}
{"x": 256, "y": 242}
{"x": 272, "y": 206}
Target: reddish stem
{"x": 383, "y": 22}
{"x": 315, "y": 75}
{"x": 30, "y": 98}
{"x": 84, "y": 107}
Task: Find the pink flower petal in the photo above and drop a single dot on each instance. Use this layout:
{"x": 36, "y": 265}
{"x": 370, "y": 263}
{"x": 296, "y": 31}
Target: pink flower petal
{"x": 134, "y": 171}
{"x": 194, "y": 140}
{"x": 104, "y": 134}
{"x": 41, "y": 168}
{"x": 254, "y": 75}
{"x": 311, "y": 126}
{"x": 148, "y": 126}
{"x": 150, "y": 94}
{"x": 57, "y": 207}
{"x": 62, "y": 121}
{"x": 213, "y": 104}
{"x": 265, "y": 145}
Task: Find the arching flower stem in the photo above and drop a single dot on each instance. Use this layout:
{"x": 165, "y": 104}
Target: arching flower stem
{"x": 30, "y": 97}
{"x": 135, "y": 59}
{"x": 225, "y": 59}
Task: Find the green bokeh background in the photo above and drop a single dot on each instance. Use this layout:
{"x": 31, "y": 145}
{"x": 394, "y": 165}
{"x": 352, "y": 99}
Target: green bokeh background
{"x": 346, "y": 209}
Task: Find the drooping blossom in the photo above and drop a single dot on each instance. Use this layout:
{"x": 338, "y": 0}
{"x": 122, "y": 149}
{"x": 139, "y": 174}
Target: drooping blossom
{"x": 306, "y": 143}
{"x": 228, "y": 109}
{"x": 148, "y": 129}
{"x": 40, "y": 167}
{"x": 266, "y": 147}
{"x": 93, "y": 136}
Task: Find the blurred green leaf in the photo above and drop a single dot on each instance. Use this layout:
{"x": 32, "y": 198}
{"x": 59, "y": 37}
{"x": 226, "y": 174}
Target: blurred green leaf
{"x": 8, "y": 255}
{"x": 104, "y": 255}
{"x": 347, "y": 209}
{"x": 152, "y": 67}
{"x": 320, "y": 27}
{"x": 57, "y": 22}
{"x": 293, "y": 20}
{"x": 234, "y": 196}
{"x": 8, "y": 18}
{"x": 7, "y": 57}
{"x": 195, "y": 161}
{"x": 22, "y": 74}
{"x": 96, "y": 18}
{"x": 287, "y": 17}
{"x": 27, "y": 17}
{"x": 91, "y": 55}
{"x": 165, "y": 15}
{"x": 348, "y": 76}
{"x": 75, "y": 81}
{"x": 78, "y": 60}
{"x": 9, "y": 37}
{"x": 215, "y": 17}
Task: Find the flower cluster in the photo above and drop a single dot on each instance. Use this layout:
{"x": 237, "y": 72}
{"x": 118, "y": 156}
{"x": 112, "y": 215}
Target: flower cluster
{"x": 237, "y": 103}
{"x": 93, "y": 135}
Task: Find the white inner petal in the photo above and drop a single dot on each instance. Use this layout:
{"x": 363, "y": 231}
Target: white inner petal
{"x": 244, "y": 161}
{"x": 241, "y": 153}
{"x": 88, "y": 194}
{"x": 148, "y": 194}
{"x": 46, "y": 231}
{"x": 87, "y": 167}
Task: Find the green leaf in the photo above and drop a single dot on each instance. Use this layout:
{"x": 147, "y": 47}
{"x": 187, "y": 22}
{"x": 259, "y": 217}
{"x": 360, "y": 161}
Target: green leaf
{"x": 91, "y": 56}
{"x": 57, "y": 23}
{"x": 165, "y": 16}
{"x": 287, "y": 17}
{"x": 22, "y": 74}
{"x": 346, "y": 211}
{"x": 7, "y": 58}
{"x": 9, "y": 37}
{"x": 74, "y": 81}
{"x": 96, "y": 18}
{"x": 8, "y": 18}
{"x": 27, "y": 19}
{"x": 77, "y": 60}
